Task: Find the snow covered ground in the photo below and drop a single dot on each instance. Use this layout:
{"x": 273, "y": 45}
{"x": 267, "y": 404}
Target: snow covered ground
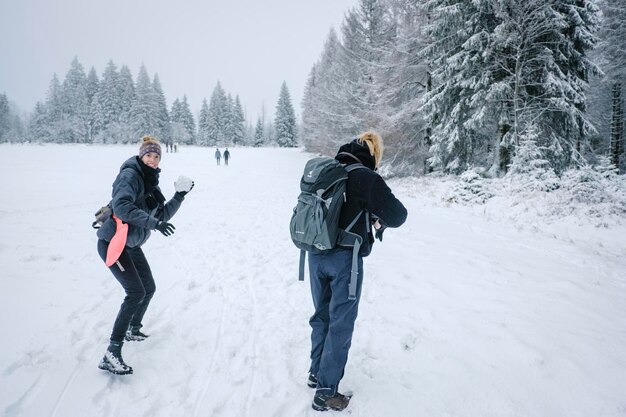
{"x": 464, "y": 311}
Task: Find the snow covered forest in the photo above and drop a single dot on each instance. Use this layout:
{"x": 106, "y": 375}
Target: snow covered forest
{"x": 490, "y": 86}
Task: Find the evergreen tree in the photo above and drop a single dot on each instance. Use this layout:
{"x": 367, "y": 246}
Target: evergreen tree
{"x": 162, "y": 117}
{"x": 92, "y": 85}
{"x": 178, "y": 130}
{"x": 572, "y": 46}
{"x": 182, "y": 122}
{"x": 404, "y": 83}
{"x": 91, "y": 89}
{"x": 75, "y": 105}
{"x": 54, "y": 104}
{"x": 490, "y": 67}
{"x": 39, "y": 124}
{"x": 217, "y": 110}
{"x": 125, "y": 93}
{"x": 176, "y": 112}
{"x": 188, "y": 121}
{"x": 238, "y": 124}
{"x": 529, "y": 169}
{"x": 285, "y": 120}
{"x": 106, "y": 110}
{"x": 17, "y": 132}
{"x": 326, "y": 117}
{"x": 144, "y": 111}
{"x": 310, "y": 112}
{"x": 96, "y": 120}
{"x": 54, "y": 113}
{"x": 342, "y": 95}
{"x": 369, "y": 33}
{"x": 460, "y": 34}
{"x": 5, "y": 118}
{"x": 203, "y": 124}
{"x": 259, "y": 137}
{"x": 228, "y": 125}
{"x": 249, "y": 134}
{"x": 613, "y": 62}
{"x": 125, "y": 96}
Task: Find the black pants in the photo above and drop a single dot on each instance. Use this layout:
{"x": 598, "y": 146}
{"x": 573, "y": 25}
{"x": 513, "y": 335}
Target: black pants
{"x": 133, "y": 272}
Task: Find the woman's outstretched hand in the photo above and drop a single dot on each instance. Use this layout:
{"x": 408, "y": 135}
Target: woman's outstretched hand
{"x": 183, "y": 185}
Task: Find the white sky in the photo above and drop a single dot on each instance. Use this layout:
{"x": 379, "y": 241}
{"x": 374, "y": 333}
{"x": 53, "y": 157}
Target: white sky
{"x": 250, "y": 46}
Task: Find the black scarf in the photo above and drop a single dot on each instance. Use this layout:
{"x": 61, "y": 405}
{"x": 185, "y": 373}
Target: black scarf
{"x": 153, "y": 195}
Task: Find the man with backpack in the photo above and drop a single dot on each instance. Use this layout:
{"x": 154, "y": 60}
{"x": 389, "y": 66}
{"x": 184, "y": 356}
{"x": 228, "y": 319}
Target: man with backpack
{"x": 336, "y": 270}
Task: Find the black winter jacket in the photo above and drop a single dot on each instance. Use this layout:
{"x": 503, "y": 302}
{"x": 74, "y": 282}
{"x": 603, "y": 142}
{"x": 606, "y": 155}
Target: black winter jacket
{"x": 134, "y": 203}
{"x": 366, "y": 190}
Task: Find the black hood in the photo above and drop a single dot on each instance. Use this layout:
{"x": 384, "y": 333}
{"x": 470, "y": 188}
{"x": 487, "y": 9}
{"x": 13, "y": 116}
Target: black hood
{"x": 361, "y": 152}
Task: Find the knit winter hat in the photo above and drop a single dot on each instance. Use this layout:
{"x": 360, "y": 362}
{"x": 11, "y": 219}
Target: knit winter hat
{"x": 148, "y": 145}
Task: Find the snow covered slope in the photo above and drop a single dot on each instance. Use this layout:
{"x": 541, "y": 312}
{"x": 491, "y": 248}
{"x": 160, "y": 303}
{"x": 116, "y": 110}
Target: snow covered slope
{"x": 463, "y": 313}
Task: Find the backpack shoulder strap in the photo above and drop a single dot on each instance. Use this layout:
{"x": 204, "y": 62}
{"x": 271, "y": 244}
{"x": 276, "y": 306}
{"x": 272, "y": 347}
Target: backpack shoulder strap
{"x": 352, "y": 167}
{"x": 354, "y": 272}
{"x": 301, "y": 267}
{"x": 355, "y": 241}
{"x": 350, "y": 155}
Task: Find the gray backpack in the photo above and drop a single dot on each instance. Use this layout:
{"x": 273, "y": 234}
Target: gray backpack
{"x": 314, "y": 224}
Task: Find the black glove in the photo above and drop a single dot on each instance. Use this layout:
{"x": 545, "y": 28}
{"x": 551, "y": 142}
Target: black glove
{"x": 166, "y": 228}
{"x": 379, "y": 232}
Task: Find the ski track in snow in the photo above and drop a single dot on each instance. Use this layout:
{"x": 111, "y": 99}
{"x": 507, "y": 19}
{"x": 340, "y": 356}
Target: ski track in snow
{"x": 460, "y": 315}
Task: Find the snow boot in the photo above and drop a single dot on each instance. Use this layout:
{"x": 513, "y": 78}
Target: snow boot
{"x": 134, "y": 334}
{"x": 337, "y": 402}
{"x": 113, "y": 362}
{"x": 312, "y": 381}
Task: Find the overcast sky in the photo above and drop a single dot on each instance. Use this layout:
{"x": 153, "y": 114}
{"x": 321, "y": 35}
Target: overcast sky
{"x": 250, "y": 46}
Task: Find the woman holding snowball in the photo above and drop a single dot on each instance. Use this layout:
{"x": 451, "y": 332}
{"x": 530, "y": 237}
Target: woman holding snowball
{"x": 138, "y": 206}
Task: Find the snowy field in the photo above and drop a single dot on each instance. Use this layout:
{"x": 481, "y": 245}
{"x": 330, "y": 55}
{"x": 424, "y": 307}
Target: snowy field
{"x": 464, "y": 312}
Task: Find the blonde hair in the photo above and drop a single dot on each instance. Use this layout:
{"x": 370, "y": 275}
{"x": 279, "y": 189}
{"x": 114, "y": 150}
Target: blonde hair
{"x": 374, "y": 144}
{"x": 150, "y": 139}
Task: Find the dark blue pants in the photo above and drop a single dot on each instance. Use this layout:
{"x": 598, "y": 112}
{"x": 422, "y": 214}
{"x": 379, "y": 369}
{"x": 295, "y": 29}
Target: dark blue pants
{"x": 136, "y": 279}
{"x": 332, "y": 323}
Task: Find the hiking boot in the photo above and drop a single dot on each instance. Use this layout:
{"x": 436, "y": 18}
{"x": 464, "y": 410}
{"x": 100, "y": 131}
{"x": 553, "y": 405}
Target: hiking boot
{"x": 113, "y": 362}
{"x": 134, "y": 334}
{"x": 337, "y": 402}
{"x": 312, "y": 381}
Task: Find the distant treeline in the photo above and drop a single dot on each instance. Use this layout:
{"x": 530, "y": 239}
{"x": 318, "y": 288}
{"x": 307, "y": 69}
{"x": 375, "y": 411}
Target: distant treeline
{"x": 115, "y": 109}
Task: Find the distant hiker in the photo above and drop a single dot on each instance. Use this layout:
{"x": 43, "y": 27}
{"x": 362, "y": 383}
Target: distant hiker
{"x": 218, "y": 155}
{"x": 226, "y": 156}
{"x": 330, "y": 272}
{"x": 138, "y": 207}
